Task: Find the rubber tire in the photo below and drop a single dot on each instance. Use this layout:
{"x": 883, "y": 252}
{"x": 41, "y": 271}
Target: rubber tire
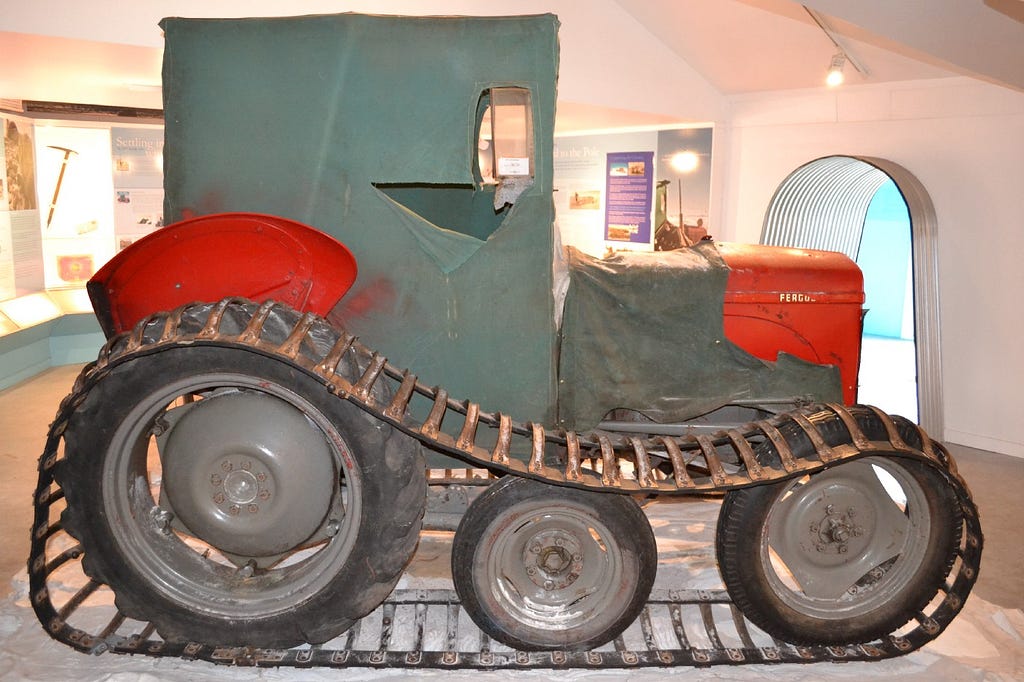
{"x": 392, "y": 497}
{"x": 618, "y": 513}
{"x": 745, "y": 513}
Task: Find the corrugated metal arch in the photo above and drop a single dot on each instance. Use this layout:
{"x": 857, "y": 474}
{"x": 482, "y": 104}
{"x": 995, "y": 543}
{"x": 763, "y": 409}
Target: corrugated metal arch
{"x": 822, "y": 205}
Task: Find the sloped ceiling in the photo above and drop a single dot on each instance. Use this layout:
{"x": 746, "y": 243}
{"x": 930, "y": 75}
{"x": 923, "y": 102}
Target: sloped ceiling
{"x": 745, "y": 46}
{"x": 740, "y": 47}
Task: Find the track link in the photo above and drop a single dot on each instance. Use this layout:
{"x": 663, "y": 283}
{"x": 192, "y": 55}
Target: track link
{"x": 692, "y": 465}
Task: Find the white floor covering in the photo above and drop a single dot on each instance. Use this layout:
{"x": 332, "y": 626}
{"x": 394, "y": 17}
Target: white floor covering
{"x": 984, "y": 643}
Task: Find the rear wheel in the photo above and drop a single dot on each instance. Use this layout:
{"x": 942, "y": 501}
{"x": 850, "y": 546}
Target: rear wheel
{"x": 229, "y": 498}
{"x": 842, "y": 556}
{"x": 544, "y": 567}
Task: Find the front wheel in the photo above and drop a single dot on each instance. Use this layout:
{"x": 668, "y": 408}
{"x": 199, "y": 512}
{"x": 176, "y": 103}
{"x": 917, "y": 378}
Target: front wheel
{"x": 544, "y": 567}
{"x": 846, "y": 555}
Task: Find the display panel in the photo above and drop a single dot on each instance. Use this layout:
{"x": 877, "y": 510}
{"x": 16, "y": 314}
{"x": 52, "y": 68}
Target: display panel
{"x": 71, "y": 195}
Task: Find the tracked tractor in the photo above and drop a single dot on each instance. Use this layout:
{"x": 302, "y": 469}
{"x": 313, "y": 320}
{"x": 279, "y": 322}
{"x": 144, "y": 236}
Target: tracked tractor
{"x": 361, "y": 287}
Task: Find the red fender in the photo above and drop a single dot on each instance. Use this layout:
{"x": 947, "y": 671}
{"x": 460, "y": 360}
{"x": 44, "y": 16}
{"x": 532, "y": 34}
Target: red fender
{"x": 211, "y": 257}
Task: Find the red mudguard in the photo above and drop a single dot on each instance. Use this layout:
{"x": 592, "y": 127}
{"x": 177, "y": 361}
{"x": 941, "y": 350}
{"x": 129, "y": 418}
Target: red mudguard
{"x": 211, "y": 257}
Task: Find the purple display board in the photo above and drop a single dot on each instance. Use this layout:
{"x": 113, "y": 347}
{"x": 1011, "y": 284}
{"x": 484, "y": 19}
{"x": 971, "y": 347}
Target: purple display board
{"x": 630, "y": 179}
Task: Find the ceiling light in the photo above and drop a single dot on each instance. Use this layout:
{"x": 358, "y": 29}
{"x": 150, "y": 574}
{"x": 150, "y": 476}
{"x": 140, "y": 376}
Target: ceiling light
{"x": 839, "y": 59}
{"x": 835, "y": 70}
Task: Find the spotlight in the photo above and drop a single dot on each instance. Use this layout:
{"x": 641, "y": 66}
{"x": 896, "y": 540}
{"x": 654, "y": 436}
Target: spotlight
{"x": 835, "y": 70}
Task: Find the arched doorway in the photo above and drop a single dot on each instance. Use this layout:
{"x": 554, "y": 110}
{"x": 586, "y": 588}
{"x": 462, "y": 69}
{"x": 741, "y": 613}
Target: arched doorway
{"x": 824, "y": 205}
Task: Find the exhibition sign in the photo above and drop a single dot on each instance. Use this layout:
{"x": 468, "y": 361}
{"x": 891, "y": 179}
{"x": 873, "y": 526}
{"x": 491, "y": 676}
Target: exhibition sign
{"x": 615, "y": 190}
{"x": 628, "y": 192}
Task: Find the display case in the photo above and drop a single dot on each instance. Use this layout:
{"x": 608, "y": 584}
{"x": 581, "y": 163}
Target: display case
{"x": 72, "y": 194}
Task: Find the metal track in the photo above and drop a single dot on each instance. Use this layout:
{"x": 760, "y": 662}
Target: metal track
{"x": 696, "y": 465}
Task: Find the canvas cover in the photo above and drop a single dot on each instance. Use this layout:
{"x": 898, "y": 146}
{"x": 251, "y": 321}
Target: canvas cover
{"x": 364, "y": 127}
{"x": 644, "y": 332}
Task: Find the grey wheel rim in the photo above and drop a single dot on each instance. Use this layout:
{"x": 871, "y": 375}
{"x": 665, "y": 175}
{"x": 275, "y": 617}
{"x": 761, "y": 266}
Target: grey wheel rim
{"x": 194, "y": 572}
{"x": 551, "y": 569}
{"x": 841, "y": 543}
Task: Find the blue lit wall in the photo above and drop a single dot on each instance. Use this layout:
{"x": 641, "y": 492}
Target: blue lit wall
{"x": 884, "y": 258}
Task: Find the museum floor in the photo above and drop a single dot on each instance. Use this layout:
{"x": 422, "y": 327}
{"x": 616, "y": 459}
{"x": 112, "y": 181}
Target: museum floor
{"x": 995, "y": 480}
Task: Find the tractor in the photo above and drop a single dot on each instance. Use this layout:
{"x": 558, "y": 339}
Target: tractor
{"x": 352, "y": 199}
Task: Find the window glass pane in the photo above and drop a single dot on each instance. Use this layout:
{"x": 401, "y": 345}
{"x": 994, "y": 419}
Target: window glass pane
{"x": 512, "y": 132}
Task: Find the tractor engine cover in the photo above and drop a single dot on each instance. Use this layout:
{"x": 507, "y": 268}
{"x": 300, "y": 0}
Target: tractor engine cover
{"x": 806, "y": 303}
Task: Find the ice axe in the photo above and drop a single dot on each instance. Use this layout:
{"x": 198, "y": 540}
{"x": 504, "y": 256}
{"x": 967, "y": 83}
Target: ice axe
{"x": 60, "y": 179}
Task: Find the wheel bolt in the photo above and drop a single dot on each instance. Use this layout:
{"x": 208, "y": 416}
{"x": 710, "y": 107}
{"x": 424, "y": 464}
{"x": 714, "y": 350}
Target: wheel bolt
{"x": 549, "y": 585}
{"x": 162, "y": 519}
{"x": 253, "y": 508}
{"x": 159, "y": 427}
{"x": 264, "y": 494}
{"x": 234, "y": 510}
{"x": 535, "y": 548}
{"x": 226, "y": 465}
{"x": 218, "y": 498}
{"x": 216, "y": 480}
{"x": 246, "y": 465}
{"x": 530, "y": 570}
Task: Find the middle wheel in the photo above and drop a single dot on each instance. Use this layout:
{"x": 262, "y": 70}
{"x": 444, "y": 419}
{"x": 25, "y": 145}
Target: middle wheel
{"x": 544, "y": 567}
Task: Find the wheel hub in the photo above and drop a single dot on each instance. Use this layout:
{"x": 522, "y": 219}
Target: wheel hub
{"x": 237, "y": 486}
{"x": 835, "y": 530}
{"x": 553, "y": 559}
{"x": 247, "y": 473}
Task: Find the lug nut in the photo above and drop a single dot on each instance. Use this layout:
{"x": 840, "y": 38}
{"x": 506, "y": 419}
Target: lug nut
{"x": 162, "y": 519}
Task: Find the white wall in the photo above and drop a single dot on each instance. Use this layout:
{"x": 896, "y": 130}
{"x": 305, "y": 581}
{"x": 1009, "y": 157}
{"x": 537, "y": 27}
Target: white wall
{"x": 964, "y": 140}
